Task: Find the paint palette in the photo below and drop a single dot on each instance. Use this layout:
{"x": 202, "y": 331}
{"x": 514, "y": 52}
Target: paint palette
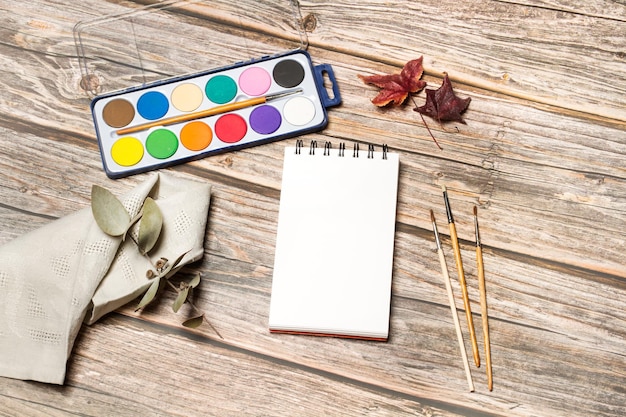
{"x": 191, "y": 117}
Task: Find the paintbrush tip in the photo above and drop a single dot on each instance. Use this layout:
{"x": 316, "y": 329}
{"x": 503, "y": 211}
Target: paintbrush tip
{"x": 475, "y": 211}
{"x": 432, "y": 216}
{"x": 443, "y": 188}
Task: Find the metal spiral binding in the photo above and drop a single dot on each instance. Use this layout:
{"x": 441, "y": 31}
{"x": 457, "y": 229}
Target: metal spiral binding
{"x": 342, "y": 149}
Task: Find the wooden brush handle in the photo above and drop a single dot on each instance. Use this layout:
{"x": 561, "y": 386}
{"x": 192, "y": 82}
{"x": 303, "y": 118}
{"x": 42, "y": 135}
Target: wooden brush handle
{"x": 484, "y": 313}
{"x": 466, "y": 302}
{"x": 455, "y": 318}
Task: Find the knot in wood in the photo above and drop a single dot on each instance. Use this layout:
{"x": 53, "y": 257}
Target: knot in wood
{"x": 309, "y": 22}
{"x": 89, "y": 83}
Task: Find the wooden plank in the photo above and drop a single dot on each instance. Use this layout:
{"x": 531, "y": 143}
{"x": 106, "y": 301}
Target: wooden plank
{"x": 554, "y": 71}
{"x": 173, "y": 373}
{"x": 608, "y": 9}
{"x": 518, "y": 50}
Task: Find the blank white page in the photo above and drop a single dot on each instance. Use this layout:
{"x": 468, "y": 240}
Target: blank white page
{"x": 334, "y": 244}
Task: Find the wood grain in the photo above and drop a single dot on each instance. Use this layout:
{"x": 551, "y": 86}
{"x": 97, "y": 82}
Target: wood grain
{"x": 535, "y": 53}
{"x": 542, "y": 155}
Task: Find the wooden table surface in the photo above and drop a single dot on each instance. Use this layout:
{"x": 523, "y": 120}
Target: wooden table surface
{"x": 543, "y": 156}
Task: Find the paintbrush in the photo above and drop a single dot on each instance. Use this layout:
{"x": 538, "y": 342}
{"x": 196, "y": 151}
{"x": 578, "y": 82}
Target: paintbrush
{"x": 459, "y": 267}
{"x": 225, "y": 108}
{"x": 455, "y": 316}
{"x": 483, "y": 300}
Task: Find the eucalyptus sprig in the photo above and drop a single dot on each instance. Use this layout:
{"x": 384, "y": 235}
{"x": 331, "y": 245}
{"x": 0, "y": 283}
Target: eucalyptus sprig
{"x": 114, "y": 220}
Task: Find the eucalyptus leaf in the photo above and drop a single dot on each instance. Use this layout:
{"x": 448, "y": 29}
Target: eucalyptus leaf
{"x": 169, "y": 266}
{"x": 109, "y": 212}
{"x": 195, "y": 281}
{"x": 180, "y": 258}
{"x": 194, "y": 322}
{"x": 150, "y": 226}
{"x": 150, "y": 294}
{"x": 180, "y": 299}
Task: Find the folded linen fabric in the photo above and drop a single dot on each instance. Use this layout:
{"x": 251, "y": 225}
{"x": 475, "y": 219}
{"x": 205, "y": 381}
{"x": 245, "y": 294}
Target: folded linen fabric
{"x": 69, "y": 271}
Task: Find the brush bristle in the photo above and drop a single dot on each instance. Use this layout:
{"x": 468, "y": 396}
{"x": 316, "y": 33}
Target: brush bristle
{"x": 443, "y": 188}
{"x": 475, "y": 211}
{"x": 432, "y": 216}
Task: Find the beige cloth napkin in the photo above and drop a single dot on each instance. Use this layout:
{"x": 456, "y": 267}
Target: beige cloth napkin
{"x": 69, "y": 271}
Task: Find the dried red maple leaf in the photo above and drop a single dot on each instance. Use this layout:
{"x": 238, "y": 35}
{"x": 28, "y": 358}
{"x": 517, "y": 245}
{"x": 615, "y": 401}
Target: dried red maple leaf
{"x": 397, "y": 87}
{"x": 443, "y": 105}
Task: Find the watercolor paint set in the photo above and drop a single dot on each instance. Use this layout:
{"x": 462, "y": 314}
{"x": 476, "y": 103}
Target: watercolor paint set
{"x": 165, "y": 121}
{"x": 248, "y": 104}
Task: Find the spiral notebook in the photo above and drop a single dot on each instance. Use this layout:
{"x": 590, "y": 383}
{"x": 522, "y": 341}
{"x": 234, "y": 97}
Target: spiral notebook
{"x": 335, "y": 241}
